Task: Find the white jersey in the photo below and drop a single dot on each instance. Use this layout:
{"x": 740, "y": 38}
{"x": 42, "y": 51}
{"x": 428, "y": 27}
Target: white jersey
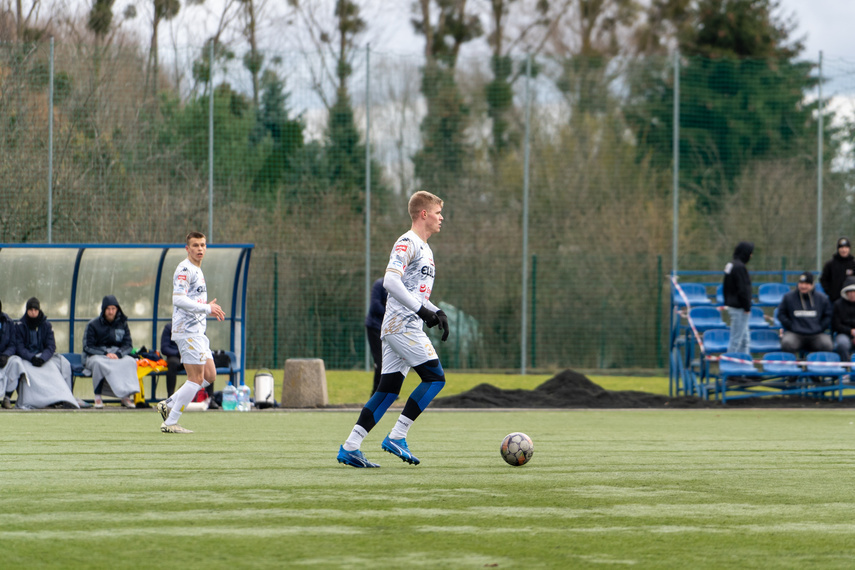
{"x": 412, "y": 258}
{"x": 189, "y": 319}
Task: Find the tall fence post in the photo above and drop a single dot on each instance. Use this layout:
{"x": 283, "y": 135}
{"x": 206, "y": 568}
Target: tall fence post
{"x": 524, "y": 314}
{"x": 676, "y": 175}
{"x": 819, "y": 171}
{"x": 50, "y": 147}
{"x": 367, "y": 195}
{"x": 211, "y": 142}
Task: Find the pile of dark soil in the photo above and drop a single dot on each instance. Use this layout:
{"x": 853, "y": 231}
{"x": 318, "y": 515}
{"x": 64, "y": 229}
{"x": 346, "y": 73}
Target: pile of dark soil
{"x": 569, "y": 389}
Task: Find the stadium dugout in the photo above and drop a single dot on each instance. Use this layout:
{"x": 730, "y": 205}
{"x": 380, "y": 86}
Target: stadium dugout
{"x": 701, "y": 366}
{"x": 71, "y": 280}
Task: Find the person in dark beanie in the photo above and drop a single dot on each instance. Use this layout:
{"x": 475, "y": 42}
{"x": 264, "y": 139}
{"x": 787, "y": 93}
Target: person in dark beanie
{"x": 737, "y": 297}
{"x": 805, "y": 315}
{"x": 843, "y": 320}
{"x": 837, "y": 269}
{"x": 42, "y": 377}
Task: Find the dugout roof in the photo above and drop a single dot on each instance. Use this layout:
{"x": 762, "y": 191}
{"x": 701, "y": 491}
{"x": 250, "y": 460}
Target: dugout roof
{"x": 70, "y": 280}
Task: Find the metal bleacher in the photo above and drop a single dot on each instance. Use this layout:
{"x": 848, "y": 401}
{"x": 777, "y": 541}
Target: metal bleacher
{"x": 701, "y": 366}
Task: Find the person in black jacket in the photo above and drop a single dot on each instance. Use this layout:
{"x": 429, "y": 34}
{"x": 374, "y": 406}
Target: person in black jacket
{"x": 737, "y": 297}
{"x": 843, "y": 320}
{"x": 837, "y": 270}
{"x": 46, "y": 374}
{"x": 805, "y": 315}
{"x": 373, "y": 321}
{"x": 7, "y": 349}
{"x": 107, "y": 346}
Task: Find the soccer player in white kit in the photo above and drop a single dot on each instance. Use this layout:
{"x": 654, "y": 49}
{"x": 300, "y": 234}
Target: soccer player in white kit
{"x": 409, "y": 281}
{"x": 190, "y": 309}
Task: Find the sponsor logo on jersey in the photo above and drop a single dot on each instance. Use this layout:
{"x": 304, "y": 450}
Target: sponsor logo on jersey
{"x": 402, "y": 247}
{"x": 422, "y": 288}
{"x": 182, "y": 277}
{"x": 428, "y": 271}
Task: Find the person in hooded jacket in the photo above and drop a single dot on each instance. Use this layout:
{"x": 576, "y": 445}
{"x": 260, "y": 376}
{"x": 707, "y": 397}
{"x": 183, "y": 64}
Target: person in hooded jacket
{"x": 737, "y": 297}
{"x": 106, "y": 346}
{"x": 837, "y": 269}
{"x": 843, "y": 320}
{"x": 805, "y": 315}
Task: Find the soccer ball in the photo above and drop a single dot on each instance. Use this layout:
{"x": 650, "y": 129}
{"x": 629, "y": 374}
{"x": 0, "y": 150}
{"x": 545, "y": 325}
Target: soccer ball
{"x": 517, "y": 449}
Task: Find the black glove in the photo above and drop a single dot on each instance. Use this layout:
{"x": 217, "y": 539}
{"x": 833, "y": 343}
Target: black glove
{"x": 4, "y": 358}
{"x": 37, "y": 360}
{"x": 443, "y": 324}
{"x": 428, "y": 316}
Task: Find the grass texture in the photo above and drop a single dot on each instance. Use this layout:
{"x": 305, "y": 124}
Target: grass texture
{"x": 642, "y": 488}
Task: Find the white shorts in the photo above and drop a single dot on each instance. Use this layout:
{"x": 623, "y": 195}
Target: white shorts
{"x": 402, "y": 351}
{"x": 194, "y": 350}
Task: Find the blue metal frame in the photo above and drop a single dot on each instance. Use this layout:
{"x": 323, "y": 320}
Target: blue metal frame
{"x": 241, "y": 272}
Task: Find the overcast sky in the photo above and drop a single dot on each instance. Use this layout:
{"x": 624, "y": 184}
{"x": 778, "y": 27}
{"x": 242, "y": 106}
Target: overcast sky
{"x": 827, "y": 25}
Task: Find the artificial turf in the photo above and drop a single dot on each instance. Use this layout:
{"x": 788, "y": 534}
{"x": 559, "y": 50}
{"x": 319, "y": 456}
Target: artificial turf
{"x": 643, "y": 488}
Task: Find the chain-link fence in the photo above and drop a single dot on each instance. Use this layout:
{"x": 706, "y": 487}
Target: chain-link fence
{"x": 579, "y": 190}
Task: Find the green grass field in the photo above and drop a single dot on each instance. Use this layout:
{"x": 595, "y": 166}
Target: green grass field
{"x": 643, "y": 488}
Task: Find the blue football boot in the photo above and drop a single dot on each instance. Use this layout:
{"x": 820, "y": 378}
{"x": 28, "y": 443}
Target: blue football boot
{"x": 354, "y": 458}
{"x": 399, "y": 447}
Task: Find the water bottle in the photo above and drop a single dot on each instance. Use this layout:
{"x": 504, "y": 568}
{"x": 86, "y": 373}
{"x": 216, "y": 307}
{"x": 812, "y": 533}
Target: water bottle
{"x": 229, "y": 397}
{"x": 243, "y": 398}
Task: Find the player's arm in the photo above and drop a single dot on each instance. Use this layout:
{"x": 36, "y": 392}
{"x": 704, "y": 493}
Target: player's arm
{"x": 185, "y": 303}
{"x": 395, "y": 286}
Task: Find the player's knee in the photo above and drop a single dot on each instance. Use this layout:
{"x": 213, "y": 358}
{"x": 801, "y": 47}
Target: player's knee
{"x": 431, "y": 371}
{"x": 391, "y": 382}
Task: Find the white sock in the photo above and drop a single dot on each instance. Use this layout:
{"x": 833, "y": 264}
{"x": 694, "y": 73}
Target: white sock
{"x": 402, "y": 426}
{"x": 205, "y": 384}
{"x": 180, "y": 399}
{"x": 355, "y": 440}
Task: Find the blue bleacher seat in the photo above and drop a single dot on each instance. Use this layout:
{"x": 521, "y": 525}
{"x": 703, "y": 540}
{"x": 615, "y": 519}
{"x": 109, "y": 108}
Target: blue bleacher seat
{"x": 757, "y": 320}
{"x": 705, "y": 318}
{"x": 771, "y": 293}
{"x": 76, "y": 361}
{"x": 785, "y": 363}
{"x": 716, "y": 340}
{"x": 727, "y": 368}
{"x": 825, "y": 370}
{"x": 818, "y": 287}
{"x": 719, "y": 294}
{"x": 695, "y": 292}
{"x": 765, "y": 340}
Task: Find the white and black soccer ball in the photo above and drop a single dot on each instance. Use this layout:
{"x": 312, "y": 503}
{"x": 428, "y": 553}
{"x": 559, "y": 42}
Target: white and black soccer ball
{"x": 517, "y": 449}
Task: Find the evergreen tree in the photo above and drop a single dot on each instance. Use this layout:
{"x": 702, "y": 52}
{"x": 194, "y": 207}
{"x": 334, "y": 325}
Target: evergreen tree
{"x": 440, "y": 163}
{"x": 742, "y": 95}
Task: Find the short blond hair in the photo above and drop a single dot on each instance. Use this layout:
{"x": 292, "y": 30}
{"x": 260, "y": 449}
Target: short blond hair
{"x": 420, "y": 201}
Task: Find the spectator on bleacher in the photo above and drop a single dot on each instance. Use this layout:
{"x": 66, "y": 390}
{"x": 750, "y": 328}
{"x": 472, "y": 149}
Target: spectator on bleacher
{"x": 838, "y": 269}
{"x": 843, "y": 320}
{"x": 7, "y": 351}
{"x": 107, "y": 347}
{"x": 169, "y": 351}
{"x": 737, "y": 297}
{"x": 805, "y": 315}
{"x": 373, "y": 321}
{"x": 41, "y": 377}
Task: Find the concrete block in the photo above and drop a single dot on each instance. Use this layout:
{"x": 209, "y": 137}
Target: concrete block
{"x": 305, "y": 383}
